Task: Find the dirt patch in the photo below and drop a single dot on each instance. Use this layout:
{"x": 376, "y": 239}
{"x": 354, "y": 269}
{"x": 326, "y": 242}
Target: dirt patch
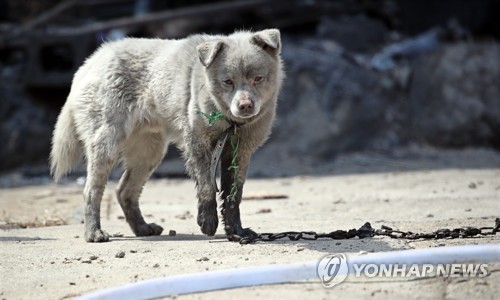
{"x": 33, "y": 224}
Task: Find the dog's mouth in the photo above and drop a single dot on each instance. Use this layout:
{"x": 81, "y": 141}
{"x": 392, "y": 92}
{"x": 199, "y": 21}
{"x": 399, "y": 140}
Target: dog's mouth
{"x": 245, "y": 115}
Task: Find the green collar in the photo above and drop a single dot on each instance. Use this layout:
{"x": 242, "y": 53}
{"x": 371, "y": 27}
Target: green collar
{"x": 212, "y": 118}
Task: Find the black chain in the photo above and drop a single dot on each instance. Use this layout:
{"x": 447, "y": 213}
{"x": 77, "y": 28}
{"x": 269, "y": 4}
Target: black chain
{"x": 366, "y": 231}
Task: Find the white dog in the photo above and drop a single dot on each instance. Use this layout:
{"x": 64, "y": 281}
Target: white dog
{"x": 134, "y": 97}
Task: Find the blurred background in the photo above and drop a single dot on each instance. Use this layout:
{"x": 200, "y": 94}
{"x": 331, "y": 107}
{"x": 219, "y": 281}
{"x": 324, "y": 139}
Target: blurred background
{"x": 380, "y": 85}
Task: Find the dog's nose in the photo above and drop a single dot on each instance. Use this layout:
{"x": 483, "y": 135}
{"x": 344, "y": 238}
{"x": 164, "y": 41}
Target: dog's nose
{"x": 245, "y": 104}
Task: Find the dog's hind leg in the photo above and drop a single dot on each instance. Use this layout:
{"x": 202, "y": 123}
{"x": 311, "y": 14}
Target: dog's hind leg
{"x": 141, "y": 157}
{"x": 101, "y": 156}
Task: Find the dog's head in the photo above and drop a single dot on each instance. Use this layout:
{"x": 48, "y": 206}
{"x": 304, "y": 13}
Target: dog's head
{"x": 243, "y": 71}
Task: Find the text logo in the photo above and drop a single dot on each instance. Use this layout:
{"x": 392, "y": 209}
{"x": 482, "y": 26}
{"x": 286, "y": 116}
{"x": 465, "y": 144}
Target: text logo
{"x": 332, "y": 269}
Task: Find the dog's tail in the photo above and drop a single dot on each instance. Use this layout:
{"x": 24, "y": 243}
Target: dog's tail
{"x": 66, "y": 148}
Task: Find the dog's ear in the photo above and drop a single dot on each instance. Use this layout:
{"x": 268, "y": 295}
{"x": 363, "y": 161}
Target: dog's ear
{"x": 208, "y": 50}
{"x": 269, "y": 40}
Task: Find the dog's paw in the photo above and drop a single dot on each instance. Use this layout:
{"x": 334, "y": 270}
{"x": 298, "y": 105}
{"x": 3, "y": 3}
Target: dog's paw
{"x": 235, "y": 235}
{"x": 96, "y": 236}
{"x": 147, "y": 229}
{"x": 208, "y": 223}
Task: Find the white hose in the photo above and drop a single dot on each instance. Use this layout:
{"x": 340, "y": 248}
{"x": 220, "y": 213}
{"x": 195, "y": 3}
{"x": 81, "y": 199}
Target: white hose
{"x": 272, "y": 274}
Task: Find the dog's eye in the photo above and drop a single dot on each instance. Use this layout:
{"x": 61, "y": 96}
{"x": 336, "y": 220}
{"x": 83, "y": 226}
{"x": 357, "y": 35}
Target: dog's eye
{"x": 257, "y": 79}
{"x": 228, "y": 82}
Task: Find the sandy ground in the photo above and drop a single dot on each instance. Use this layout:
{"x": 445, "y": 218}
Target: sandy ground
{"x": 54, "y": 262}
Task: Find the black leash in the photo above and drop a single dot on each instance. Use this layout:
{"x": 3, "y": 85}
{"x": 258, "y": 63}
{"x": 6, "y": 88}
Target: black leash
{"x": 367, "y": 231}
{"x": 216, "y": 154}
{"x": 214, "y": 163}
{"x": 219, "y": 144}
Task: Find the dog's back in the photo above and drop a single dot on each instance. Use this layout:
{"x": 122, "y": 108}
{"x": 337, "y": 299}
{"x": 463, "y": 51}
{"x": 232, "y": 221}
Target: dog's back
{"x": 111, "y": 84}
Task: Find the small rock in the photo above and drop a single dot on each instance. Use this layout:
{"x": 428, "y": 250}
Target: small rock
{"x": 468, "y": 209}
{"x": 300, "y": 249}
{"x": 86, "y": 261}
{"x": 87, "y": 276}
{"x": 338, "y": 243}
{"x": 472, "y": 185}
{"x": 72, "y": 283}
{"x": 76, "y": 236}
{"x": 430, "y": 216}
{"x": 120, "y": 254}
{"x": 264, "y": 211}
{"x": 133, "y": 251}
{"x": 146, "y": 251}
{"x": 121, "y": 218}
{"x": 172, "y": 233}
{"x": 118, "y": 234}
{"x": 156, "y": 266}
{"x": 204, "y": 258}
{"x": 94, "y": 257}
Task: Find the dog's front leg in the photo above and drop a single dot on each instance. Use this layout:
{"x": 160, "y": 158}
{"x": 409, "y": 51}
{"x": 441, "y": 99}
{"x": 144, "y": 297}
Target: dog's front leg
{"x": 231, "y": 195}
{"x": 198, "y": 166}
